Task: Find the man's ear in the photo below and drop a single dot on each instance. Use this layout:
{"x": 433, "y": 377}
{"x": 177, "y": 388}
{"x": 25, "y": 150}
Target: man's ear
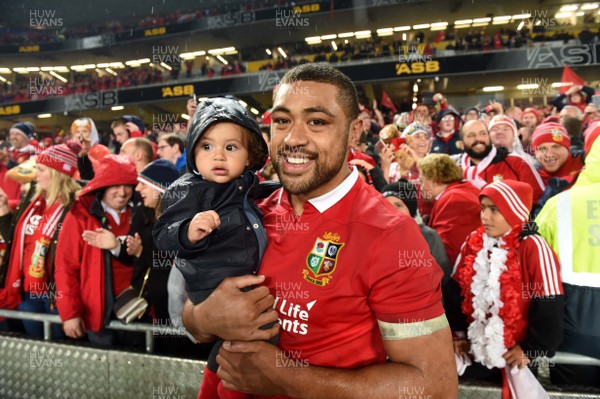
{"x": 355, "y": 131}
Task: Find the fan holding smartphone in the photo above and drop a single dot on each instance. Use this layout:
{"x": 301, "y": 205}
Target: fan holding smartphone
{"x": 412, "y": 146}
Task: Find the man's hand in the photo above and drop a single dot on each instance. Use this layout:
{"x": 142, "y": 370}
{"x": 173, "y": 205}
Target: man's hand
{"x": 437, "y": 97}
{"x": 255, "y": 367}
{"x": 515, "y": 357}
{"x": 497, "y": 107}
{"x": 574, "y": 89}
{"x": 231, "y": 314}
{"x": 386, "y": 157}
{"x": 363, "y": 163}
{"x": 422, "y": 364}
{"x": 74, "y": 328}
{"x": 101, "y": 238}
{"x": 132, "y": 127}
{"x": 202, "y": 225}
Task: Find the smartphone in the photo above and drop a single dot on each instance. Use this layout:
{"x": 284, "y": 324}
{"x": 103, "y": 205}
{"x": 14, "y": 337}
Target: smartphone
{"x": 379, "y": 146}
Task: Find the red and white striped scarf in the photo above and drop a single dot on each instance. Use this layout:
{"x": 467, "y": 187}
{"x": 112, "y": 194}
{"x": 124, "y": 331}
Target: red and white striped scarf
{"x": 34, "y": 269}
{"x": 472, "y": 172}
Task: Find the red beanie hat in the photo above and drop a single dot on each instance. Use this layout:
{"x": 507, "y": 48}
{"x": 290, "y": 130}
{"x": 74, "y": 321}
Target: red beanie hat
{"x": 590, "y": 135}
{"x": 533, "y": 111}
{"x": 61, "y": 157}
{"x": 513, "y": 199}
{"x": 503, "y": 120}
{"x": 550, "y": 133}
{"x": 551, "y": 119}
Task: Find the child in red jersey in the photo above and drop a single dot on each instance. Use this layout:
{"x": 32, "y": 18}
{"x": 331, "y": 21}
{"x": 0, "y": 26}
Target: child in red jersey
{"x": 512, "y": 294}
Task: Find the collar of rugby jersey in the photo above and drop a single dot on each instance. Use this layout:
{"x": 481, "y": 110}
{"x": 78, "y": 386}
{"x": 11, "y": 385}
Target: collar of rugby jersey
{"x": 323, "y": 202}
{"x": 113, "y": 212}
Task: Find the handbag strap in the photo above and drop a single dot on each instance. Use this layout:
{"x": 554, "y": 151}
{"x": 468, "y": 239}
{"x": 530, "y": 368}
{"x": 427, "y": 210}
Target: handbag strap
{"x": 144, "y": 283}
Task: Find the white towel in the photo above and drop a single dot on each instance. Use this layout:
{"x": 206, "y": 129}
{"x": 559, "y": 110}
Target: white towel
{"x": 523, "y": 384}
{"x": 462, "y": 362}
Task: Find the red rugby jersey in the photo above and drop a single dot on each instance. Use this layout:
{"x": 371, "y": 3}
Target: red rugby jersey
{"x": 349, "y": 260}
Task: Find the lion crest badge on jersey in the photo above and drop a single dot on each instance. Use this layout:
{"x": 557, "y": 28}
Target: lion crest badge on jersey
{"x": 557, "y": 135}
{"x": 322, "y": 259}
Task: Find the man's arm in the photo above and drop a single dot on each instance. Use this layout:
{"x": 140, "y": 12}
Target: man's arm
{"x": 252, "y": 309}
{"x": 422, "y": 366}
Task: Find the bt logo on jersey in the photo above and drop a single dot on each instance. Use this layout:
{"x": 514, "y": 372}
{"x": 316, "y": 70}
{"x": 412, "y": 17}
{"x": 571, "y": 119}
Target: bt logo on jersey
{"x": 292, "y": 316}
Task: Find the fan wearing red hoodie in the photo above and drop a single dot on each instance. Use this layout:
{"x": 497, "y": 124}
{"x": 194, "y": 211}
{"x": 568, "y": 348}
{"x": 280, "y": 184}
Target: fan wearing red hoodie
{"x": 551, "y": 143}
{"x": 92, "y": 264}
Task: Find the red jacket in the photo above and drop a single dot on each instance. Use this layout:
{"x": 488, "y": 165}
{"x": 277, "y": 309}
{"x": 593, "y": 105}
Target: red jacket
{"x": 10, "y": 187}
{"x": 569, "y": 171}
{"x": 79, "y": 268}
{"x": 355, "y": 154}
{"x": 514, "y": 167}
{"x": 455, "y": 215}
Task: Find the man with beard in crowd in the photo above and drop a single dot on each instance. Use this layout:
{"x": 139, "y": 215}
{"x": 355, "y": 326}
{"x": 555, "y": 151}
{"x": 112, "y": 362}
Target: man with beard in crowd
{"x": 482, "y": 163}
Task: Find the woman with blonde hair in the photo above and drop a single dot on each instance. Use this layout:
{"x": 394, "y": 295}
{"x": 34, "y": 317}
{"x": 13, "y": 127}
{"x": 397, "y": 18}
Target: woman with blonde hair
{"x": 27, "y": 269}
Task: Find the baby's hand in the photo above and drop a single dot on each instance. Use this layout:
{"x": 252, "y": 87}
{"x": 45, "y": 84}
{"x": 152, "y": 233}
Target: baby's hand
{"x": 202, "y": 225}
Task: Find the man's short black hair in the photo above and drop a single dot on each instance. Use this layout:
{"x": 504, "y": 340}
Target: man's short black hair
{"x": 323, "y": 73}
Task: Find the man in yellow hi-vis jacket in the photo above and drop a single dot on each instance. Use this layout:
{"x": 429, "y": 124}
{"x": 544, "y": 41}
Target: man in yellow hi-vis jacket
{"x": 570, "y": 223}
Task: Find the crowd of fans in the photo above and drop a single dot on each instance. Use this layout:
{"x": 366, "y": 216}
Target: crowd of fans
{"x": 349, "y": 50}
{"x": 19, "y": 35}
{"x": 37, "y": 88}
{"x": 454, "y": 172}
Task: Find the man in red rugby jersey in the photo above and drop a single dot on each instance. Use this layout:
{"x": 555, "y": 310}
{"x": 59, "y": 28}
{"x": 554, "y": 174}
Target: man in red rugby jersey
{"x": 351, "y": 280}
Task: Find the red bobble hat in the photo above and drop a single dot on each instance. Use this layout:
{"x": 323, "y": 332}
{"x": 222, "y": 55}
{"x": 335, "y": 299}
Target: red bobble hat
{"x": 62, "y": 158}
{"x": 550, "y": 132}
{"x": 513, "y": 199}
{"x": 503, "y": 120}
{"x": 533, "y": 111}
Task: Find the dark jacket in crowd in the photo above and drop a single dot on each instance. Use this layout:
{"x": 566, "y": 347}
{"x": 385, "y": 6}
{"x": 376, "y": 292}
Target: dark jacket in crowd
{"x": 451, "y": 145}
{"x": 156, "y": 263}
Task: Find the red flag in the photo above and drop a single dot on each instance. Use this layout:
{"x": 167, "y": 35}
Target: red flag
{"x": 386, "y": 101}
{"x": 570, "y": 78}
